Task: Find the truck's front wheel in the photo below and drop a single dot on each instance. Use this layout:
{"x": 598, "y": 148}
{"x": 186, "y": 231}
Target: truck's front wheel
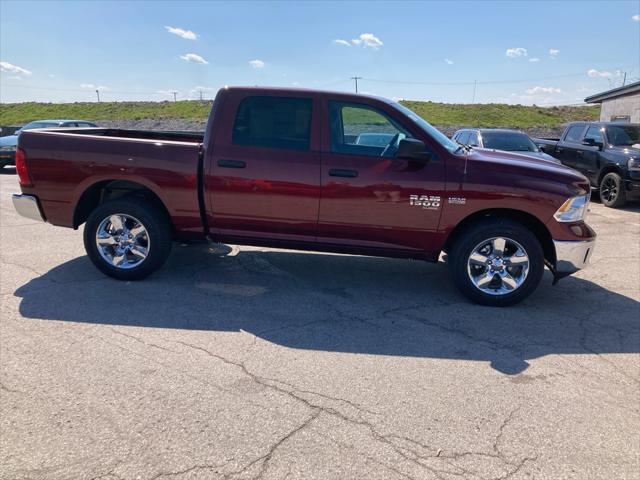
{"x": 497, "y": 262}
{"x": 612, "y": 192}
{"x": 128, "y": 238}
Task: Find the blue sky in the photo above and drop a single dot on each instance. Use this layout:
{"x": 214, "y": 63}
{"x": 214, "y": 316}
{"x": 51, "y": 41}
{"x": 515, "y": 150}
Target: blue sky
{"x": 518, "y": 52}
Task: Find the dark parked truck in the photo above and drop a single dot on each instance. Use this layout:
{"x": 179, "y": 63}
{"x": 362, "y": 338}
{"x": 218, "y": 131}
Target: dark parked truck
{"x": 608, "y": 154}
{"x": 291, "y": 168}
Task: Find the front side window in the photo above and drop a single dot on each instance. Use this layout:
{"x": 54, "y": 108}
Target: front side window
{"x": 474, "y": 141}
{"x": 362, "y": 130}
{"x": 275, "y": 122}
{"x": 595, "y": 134}
{"x": 463, "y": 138}
{"x": 573, "y": 135}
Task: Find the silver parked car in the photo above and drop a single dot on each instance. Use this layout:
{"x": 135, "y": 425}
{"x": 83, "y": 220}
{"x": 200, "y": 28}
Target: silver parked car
{"x": 501, "y": 139}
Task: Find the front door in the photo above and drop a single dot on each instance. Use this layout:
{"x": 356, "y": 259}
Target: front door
{"x": 264, "y": 177}
{"x": 369, "y": 198}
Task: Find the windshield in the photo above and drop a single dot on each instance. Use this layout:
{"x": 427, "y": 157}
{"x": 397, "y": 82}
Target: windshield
{"x": 32, "y": 125}
{"x": 623, "y": 135}
{"x": 509, "y": 141}
{"x": 436, "y": 134}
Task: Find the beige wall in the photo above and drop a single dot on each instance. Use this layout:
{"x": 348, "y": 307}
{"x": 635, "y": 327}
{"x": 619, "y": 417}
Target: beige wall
{"x": 621, "y": 106}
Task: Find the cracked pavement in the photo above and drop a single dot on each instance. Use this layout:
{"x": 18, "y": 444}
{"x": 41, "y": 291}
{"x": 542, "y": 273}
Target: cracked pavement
{"x": 246, "y": 363}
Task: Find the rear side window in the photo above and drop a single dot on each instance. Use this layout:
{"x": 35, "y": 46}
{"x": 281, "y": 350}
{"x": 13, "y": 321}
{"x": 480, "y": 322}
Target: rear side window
{"x": 276, "y": 122}
{"x": 573, "y": 135}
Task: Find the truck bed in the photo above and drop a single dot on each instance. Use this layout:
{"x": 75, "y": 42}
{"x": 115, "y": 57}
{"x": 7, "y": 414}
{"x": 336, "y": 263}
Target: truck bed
{"x": 156, "y": 135}
{"x": 65, "y": 164}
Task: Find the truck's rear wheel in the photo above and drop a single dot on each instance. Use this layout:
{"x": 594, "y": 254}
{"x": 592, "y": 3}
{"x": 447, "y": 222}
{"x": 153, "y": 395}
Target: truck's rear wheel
{"x": 498, "y": 262}
{"x": 128, "y": 238}
{"x": 612, "y": 192}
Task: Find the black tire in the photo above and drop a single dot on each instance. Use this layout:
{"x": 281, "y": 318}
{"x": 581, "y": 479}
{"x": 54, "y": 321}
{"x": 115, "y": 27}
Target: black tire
{"x": 158, "y": 235}
{"x": 612, "y": 192}
{"x": 479, "y": 232}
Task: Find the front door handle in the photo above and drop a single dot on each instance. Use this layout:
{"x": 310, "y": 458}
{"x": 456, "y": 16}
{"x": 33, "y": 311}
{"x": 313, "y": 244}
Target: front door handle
{"x": 339, "y": 172}
{"x": 231, "y": 163}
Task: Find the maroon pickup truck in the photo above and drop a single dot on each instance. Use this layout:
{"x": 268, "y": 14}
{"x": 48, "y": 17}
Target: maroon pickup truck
{"x": 311, "y": 170}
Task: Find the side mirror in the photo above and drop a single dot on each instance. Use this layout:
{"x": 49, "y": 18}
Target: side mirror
{"x": 412, "y": 149}
{"x": 590, "y": 142}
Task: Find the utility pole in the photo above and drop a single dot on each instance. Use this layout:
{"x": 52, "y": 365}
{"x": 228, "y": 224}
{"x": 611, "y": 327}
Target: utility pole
{"x": 98, "y": 94}
{"x": 174, "y": 96}
{"x": 356, "y": 79}
{"x": 200, "y": 94}
{"x": 475, "y": 84}
{"x": 624, "y": 80}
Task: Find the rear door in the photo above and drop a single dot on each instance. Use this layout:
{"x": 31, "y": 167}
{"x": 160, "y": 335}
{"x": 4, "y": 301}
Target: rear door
{"x": 588, "y": 157}
{"x": 265, "y": 167}
{"x": 570, "y": 144}
{"x": 370, "y": 198}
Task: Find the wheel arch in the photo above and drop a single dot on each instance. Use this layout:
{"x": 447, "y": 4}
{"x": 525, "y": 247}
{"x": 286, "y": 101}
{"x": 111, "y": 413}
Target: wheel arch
{"x": 528, "y": 220}
{"x": 109, "y": 189}
{"x": 609, "y": 168}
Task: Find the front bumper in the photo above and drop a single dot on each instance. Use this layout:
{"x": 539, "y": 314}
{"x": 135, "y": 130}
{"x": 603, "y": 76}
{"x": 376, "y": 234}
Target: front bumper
{"x": 7, "y": 158}
{"x": 27, "y": 206}
{"x": 572, "y": 256}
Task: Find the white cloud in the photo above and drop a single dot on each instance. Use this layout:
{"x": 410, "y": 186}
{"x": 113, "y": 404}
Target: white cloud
{"x": 194, "y": 57}
{"x": 91, "y": 86}
{"x": 51, "y": 75}
{"x": 448, "y": 62}
{"x": 534, "y": 59}
{"x": 537, "y": 90}
{"x": 10, "y": 68}
{"x": 368, "y": 40}
{"x": 516, "y": 52}
{"x": 636, "y": 18}
{"x": 593, "y": 73}
{"x": 166, "y": 92}
{"x": 257, "y": 63}
{"x": 553, "y": 53}
{"x": 188, "y": 34}
{"x": 339, "y": 41}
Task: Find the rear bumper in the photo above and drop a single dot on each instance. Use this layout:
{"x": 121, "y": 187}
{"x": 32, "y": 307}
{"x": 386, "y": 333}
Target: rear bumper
{"x": 27, "y": 206}
{"x": 572, "y": 256}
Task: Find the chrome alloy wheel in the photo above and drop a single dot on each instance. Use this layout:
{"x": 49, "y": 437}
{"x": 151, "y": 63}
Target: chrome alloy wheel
{"x": 498, "y": 266}
{"x": 123, "y": 241}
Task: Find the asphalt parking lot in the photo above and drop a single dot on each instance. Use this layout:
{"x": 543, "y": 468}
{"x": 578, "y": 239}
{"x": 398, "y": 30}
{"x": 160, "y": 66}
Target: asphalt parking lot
{"x": 272, "y": 364}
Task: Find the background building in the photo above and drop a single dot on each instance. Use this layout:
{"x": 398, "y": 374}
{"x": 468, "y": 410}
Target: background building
{"x": 620, "y": 104}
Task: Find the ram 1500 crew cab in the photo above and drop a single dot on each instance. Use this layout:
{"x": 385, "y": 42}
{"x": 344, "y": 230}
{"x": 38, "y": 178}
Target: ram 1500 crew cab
{"x": 291, "y": 168}
{"x": 608, "y": 154}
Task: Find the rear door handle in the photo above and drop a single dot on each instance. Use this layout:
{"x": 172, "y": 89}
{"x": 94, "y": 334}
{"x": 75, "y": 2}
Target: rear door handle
{"x": 339, "y": 172}
{"x": 231, "y": 163}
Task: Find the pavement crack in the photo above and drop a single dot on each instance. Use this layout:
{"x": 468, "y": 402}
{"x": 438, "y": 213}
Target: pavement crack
{"x": 139, "y": 340}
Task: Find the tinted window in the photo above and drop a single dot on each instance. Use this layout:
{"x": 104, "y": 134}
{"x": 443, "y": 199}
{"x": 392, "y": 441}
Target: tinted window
{"x": 362, "y": 130}
{"x": 595, "y": 134}
{"x": 574, "y": 134}
{"x": 509, "y": 141}
{"x": 474, "y": 141}
{"x": 277, "y": 122}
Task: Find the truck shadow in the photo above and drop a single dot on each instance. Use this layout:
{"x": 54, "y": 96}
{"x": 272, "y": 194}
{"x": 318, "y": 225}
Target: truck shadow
{"x": 361, "y": 305}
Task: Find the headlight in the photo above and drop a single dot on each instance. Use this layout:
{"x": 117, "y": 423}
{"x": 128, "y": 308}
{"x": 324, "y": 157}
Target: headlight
{"x": 634, "y": 164}
{"x": 573, "y": 210}
{"x": 9, "y": 148}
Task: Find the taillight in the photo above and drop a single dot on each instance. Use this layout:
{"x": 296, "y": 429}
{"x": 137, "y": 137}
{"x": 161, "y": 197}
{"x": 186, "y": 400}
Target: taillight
{"x": 21, "y": 168}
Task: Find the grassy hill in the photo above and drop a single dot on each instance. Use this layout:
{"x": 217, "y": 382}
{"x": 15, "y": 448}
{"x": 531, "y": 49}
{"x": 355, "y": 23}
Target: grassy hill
{"x": 441, "y": 114}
